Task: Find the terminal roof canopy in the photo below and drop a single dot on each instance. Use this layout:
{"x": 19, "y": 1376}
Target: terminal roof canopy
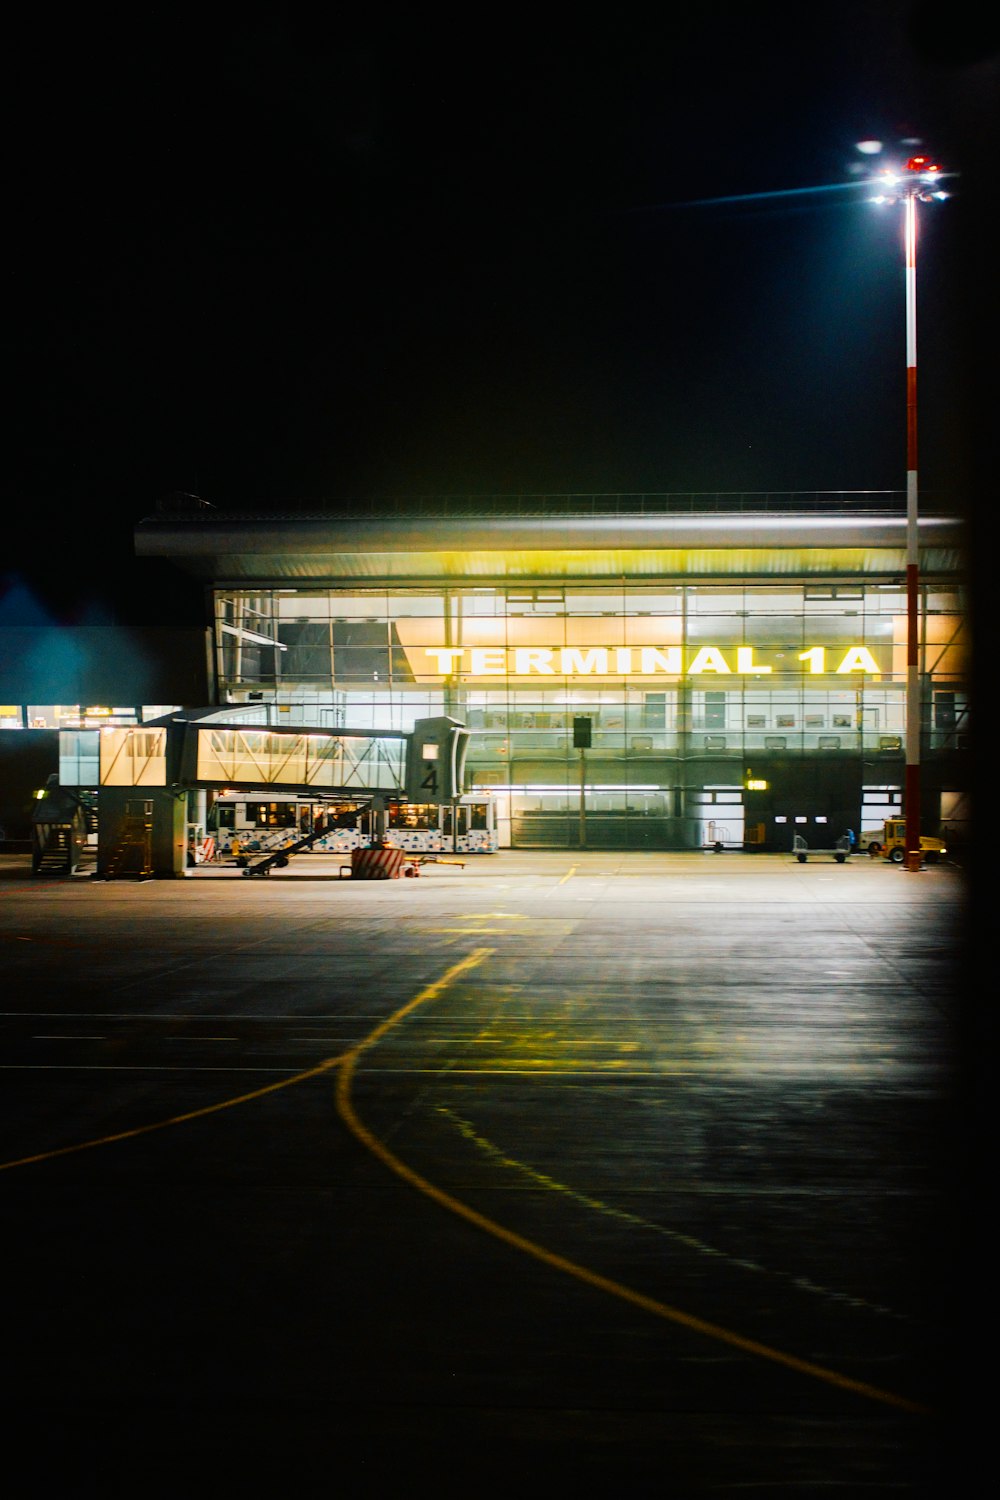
{"x": 498, "y": 540}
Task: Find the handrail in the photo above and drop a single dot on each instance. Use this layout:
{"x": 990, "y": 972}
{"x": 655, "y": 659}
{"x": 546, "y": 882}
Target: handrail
{"x": 443, "y": 507}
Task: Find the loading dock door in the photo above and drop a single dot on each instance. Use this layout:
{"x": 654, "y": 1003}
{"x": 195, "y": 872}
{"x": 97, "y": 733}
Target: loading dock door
{"x": 818, "y": 798}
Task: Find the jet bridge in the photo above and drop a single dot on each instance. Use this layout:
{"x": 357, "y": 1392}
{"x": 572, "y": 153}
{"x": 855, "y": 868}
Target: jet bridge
{"x": 160, "y": 762}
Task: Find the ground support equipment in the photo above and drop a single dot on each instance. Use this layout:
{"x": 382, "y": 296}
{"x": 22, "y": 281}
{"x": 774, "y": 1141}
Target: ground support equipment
{"x": 839, "y": 852}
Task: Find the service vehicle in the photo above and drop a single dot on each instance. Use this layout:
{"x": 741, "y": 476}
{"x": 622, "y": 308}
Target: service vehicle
{"x": 890, "y": 842}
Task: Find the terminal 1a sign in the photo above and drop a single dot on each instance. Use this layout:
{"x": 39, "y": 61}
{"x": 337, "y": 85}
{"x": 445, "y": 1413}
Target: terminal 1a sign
{"x": 518, "y": 657}
{"x": 635, "y": 661}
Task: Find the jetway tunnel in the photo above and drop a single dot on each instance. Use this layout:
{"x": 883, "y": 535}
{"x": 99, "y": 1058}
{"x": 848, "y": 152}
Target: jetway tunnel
{"x": 147, "y": 773}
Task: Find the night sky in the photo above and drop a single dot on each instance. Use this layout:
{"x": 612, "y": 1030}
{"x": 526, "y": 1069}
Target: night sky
{"x": 278, "y": 262}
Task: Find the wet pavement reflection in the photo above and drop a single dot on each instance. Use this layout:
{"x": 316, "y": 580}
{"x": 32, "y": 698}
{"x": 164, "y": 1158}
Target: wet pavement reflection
{"x": 551, "y": 1168}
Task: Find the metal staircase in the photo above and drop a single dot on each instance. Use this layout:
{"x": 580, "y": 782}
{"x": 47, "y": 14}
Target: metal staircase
{"x": 53, "y": 853}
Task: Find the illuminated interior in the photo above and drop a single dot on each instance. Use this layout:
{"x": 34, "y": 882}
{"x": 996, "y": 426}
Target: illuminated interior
{"x": 693, "y": 690}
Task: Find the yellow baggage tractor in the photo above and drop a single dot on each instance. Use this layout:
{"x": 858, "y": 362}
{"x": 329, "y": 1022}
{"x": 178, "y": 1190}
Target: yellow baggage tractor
{"x": 891, "y": 844}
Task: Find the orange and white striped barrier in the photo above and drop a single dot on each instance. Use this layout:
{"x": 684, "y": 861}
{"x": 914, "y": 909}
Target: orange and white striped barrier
{"x": 377, "y": 864}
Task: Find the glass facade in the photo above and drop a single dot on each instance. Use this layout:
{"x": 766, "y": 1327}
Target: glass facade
{"x": 710, "y": 706}
{"x": 252, "y": 757}
{"x": 79, "y": 729}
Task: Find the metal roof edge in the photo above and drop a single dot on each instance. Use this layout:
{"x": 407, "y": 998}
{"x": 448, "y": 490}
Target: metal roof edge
{"x": 183, "y": 537}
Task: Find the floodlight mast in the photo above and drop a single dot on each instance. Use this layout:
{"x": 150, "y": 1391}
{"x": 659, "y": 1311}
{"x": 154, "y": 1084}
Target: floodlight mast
{"x": 911, "y": 789}
{"x": 918, "y": 181}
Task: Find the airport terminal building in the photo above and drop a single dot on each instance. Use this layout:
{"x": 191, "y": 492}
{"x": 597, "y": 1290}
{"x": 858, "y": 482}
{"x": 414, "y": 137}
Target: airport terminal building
{"x": 685, "y": 670}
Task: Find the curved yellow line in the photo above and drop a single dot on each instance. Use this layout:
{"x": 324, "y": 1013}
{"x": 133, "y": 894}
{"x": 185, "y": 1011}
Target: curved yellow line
{"x": 192, "y": 1114}
{"x": 347, "y": 1112}
{"x": 347, "y": 1062}
{"x": 431, "y": 991}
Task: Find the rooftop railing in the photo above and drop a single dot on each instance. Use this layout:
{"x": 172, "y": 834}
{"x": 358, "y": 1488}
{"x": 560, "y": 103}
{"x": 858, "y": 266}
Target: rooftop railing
{"x": 455, "y": 507}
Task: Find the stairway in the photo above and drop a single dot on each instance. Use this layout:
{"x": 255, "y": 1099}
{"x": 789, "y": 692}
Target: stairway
{"x": 132, "y": 853}
{"x": 55, "y": 855}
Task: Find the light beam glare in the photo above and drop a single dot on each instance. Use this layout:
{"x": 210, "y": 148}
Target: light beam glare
{"x": 801, "y": 192}
{"x": 774, "y": 194}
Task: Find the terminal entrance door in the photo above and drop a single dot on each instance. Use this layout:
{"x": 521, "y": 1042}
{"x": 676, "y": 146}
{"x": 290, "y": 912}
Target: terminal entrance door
{"x": 719, "y": 817}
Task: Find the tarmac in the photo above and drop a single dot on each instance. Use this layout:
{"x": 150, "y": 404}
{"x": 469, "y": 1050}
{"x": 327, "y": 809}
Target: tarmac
{"x": 541, "y": 1171}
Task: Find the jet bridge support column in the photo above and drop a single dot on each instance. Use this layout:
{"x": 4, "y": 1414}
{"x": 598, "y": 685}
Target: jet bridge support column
{"x": 141, "y": 832}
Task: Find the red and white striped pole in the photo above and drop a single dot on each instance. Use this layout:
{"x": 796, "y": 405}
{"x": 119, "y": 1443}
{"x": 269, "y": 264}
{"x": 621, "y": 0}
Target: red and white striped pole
{"x": 919, "y": 180}
{"x": 911, "y": 786}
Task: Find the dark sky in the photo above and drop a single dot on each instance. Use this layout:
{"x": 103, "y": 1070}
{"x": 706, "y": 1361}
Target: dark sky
{"x": 281, "y": 262}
